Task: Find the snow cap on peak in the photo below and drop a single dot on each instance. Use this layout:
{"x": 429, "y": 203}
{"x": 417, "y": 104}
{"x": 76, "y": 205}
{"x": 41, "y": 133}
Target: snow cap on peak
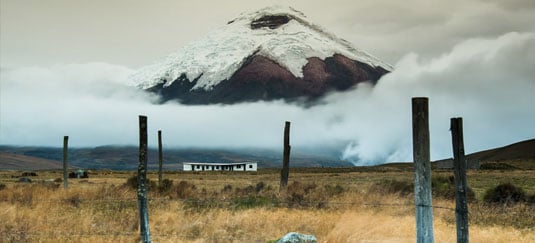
{"x": 279, "y": 33}
{"x": 276, "y": 10}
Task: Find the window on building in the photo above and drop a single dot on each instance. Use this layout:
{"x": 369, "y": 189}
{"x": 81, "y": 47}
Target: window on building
{"x": 250, "y": 166}
{"x": 238, "y": 166}
{"x": 198, "y": 166}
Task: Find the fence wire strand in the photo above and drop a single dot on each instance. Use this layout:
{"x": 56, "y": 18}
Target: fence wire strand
{"x": 206, "y": 203}
{"x": 274, "y": 203}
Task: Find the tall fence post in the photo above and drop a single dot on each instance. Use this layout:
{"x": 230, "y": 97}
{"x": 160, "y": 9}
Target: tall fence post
{"x": 286, "y": 156}
{"x": 65, "y": 161}
{"x": 160, "y": 158}
{"x": 142, "y": 181}
{"x": 422, "y": 172}
{"x": 459, "y": 166}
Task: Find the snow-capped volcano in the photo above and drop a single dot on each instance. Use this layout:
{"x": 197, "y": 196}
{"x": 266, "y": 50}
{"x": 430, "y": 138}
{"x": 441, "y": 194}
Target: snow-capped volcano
{"x": 273, "y": 53}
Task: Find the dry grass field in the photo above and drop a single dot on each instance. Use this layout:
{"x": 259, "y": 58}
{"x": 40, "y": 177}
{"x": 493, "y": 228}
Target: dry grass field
{"x": 335, "y": 205}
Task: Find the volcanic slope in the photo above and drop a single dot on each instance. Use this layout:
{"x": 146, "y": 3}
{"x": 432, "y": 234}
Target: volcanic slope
{"x": 273, "y": 53}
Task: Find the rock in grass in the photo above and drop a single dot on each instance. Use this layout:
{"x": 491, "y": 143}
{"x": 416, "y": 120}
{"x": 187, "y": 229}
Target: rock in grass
{"x": 24, "y": 180}
{"x": 294, "y": 237}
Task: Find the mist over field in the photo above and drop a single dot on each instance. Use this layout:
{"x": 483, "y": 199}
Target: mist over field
{"x": 487, "y": 81}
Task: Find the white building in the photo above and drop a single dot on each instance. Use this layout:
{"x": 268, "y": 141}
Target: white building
{"x": 242, "y": 166}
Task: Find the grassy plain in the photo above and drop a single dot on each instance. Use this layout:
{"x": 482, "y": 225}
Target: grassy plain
{"x": 335, "y": 205}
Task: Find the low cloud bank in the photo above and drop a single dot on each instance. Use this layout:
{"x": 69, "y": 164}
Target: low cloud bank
{"x": 488, "y": 82}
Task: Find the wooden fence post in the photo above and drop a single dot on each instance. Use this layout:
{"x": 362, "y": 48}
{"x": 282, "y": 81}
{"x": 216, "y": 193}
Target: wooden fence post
{"x": 65, "y": 162}
{"x": 142, "y": 181}
{"x": 422, "y": 172}
{"x": 160, "y": 158}
{"x": 459, "y": 166}
{"x": 286, "y": 156}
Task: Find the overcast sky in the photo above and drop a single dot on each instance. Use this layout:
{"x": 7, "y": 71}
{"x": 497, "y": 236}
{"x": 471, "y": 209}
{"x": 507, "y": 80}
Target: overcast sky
{"x": 134, "y": 33}
{"x": 64, "y": 64}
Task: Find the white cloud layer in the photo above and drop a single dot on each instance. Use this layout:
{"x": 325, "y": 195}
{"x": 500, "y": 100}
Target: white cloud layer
{"x": 489, "y": 82}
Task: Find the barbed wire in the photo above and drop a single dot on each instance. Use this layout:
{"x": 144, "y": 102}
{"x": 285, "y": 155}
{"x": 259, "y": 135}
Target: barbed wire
{"x": 213, "y": 200}
{"x": 67, "y": 234}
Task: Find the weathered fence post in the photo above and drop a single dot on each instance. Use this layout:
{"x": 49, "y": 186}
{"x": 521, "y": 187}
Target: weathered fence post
{"x": 65, "y": 162}
{"x": 160, "y": 158}
{"x": 422, "y": 172}
{"x": 286, "y": 156}
{"x": 142, "y": 181}
{"x": 459, "y": 166}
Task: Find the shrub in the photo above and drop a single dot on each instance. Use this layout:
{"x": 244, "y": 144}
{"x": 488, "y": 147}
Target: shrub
{"x": 74, "y": 201}
{"x": 132, "y": 183}
{"x": 2, "y": 186}
{"x": 259, "y": 186}
{"x": 299, "y": 194}
{"x": 200, "y": 204}
{"x": 441, "y": 186}
{"x": 250, "y": 202}
{"x": 25, "y": 174}
{"x": 165, "y": 186}
{"x": 402, "y": 188}
{"x": 227, "y": 188}
{"x": 334, "y": 190}
{"x": 444, "y": 187}
{"x": 49, "y": 185}
{"x": 497, "y": 166}
{"x": 505, "y": 194}
{"x": 248, "y": 190}
{"x": 185, "y": 189}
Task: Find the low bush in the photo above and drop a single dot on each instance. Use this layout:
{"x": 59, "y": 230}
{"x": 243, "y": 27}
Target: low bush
{"x": 401, "y": 188}
{"x": 505, "y": 193}
{"x": 73, "y": 200}
{"x": 441, "y": 186}
{"x": 444, "y": 186}
{"x": 25, "y": 174}
{"x": 166, "y": 186}
{"x": 132, "y": 183}
{"x": 200, "y": 204}
{"x": 334, "y": 190}
{"x": 227, "y": 188}
{"x": 497, "y": 166}
{"x": 296, "y": 193}
{"x": 185, "y": 190}
{"x": 310, "y": 195}
{"x": 248, "y": 190}
{"x": 260, "y": 186}
{"x": 250, "y": 202}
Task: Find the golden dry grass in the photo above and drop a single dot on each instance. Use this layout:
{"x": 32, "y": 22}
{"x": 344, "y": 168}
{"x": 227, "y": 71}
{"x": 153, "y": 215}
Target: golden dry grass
{"x": 100, "y": 209}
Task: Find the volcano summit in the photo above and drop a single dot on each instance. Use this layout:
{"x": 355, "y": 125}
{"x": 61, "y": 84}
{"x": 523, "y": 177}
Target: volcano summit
{"x": 273, "y": 53}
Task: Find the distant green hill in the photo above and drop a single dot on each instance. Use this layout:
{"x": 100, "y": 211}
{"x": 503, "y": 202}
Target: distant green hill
{"x": 519, "y": 155}
{"x": 126, "y": 157}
